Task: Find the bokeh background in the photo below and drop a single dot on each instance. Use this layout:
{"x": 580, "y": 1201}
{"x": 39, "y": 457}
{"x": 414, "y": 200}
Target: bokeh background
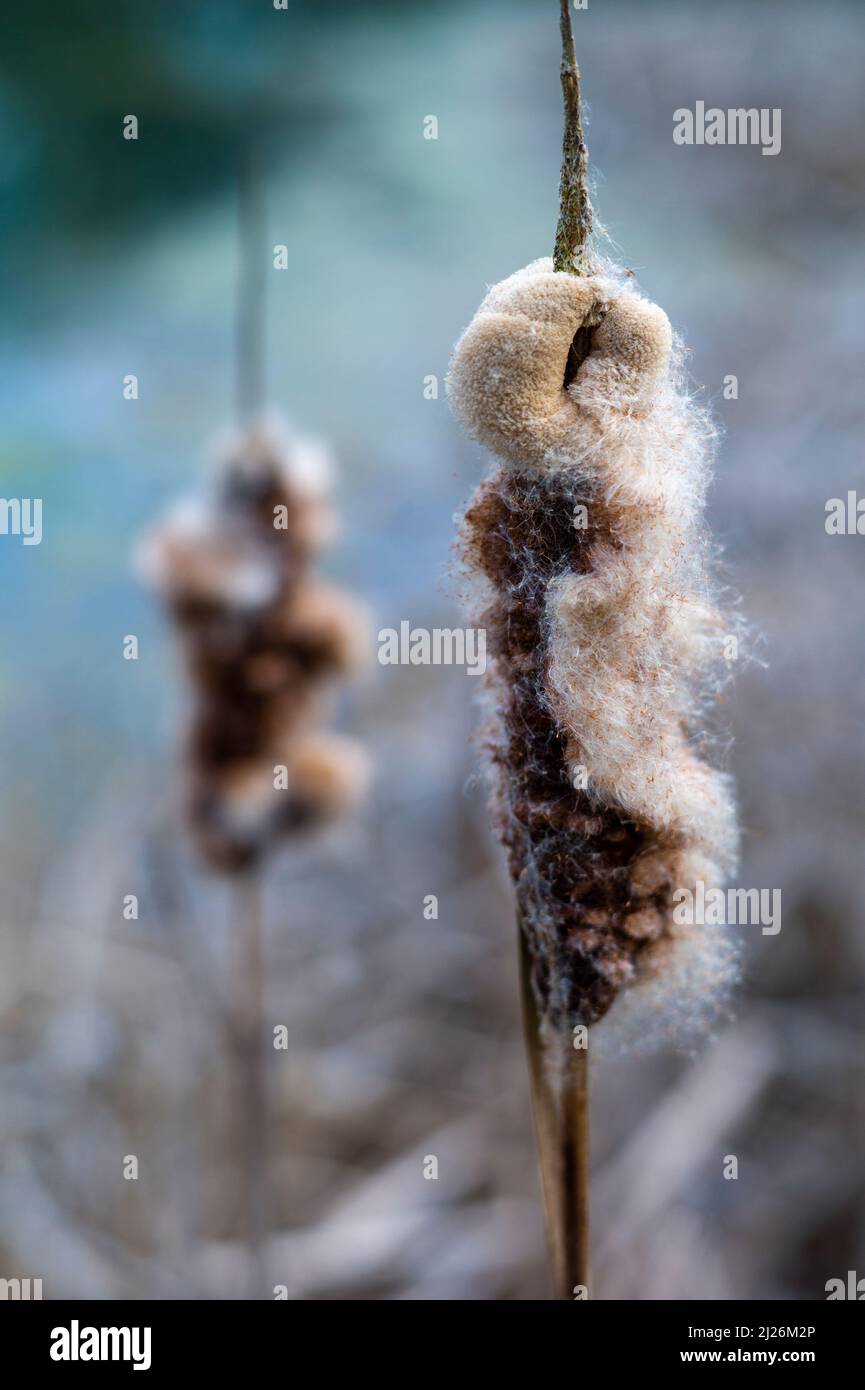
{"x": 404, "y": 1036}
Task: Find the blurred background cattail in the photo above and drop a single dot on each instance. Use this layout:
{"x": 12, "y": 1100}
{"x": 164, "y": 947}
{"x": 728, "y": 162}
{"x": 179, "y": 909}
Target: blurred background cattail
{"x": 263, "y": 641}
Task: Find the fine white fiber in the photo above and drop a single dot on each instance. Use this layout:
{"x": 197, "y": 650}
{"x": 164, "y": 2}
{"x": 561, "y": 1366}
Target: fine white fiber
{"x": 607, "y": 640}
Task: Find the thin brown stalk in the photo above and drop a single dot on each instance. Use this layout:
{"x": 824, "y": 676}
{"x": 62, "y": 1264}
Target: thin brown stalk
{"x": 575, "y": 1170}
{"x": 575, "y": 208}
{"x": 246, "y": 1043}
{"x": 247, "y": 1005}
{"x": 559, "y": 1072}
{"x": 251, "y": 291}
{"x": 559, "y": 1080}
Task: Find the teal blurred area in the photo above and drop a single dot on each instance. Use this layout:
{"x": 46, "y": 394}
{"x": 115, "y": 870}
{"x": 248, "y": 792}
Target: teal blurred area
{"x": 120, "y": 257}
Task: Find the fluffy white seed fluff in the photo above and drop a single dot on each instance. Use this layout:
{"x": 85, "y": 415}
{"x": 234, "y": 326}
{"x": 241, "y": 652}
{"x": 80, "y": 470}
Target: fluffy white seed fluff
{"x": 633, "y": 639}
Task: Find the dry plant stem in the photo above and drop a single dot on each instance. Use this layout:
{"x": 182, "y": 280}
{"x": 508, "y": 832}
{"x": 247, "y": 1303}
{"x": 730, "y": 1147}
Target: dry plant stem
{"x": 246, "y": 1040}
{"x": 251, "y": 291}
{"x": 561, "y": 1133}
{"x": 562, "y": 1121}
{"x": 575, "y": 1171}
{"x": 247, "y": 1009}
{"x": 575, "y": 208}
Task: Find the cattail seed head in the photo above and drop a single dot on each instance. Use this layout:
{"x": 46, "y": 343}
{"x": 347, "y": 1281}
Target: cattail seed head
{"x": 605, "y": 639}
{"x": 263, "y": 641}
